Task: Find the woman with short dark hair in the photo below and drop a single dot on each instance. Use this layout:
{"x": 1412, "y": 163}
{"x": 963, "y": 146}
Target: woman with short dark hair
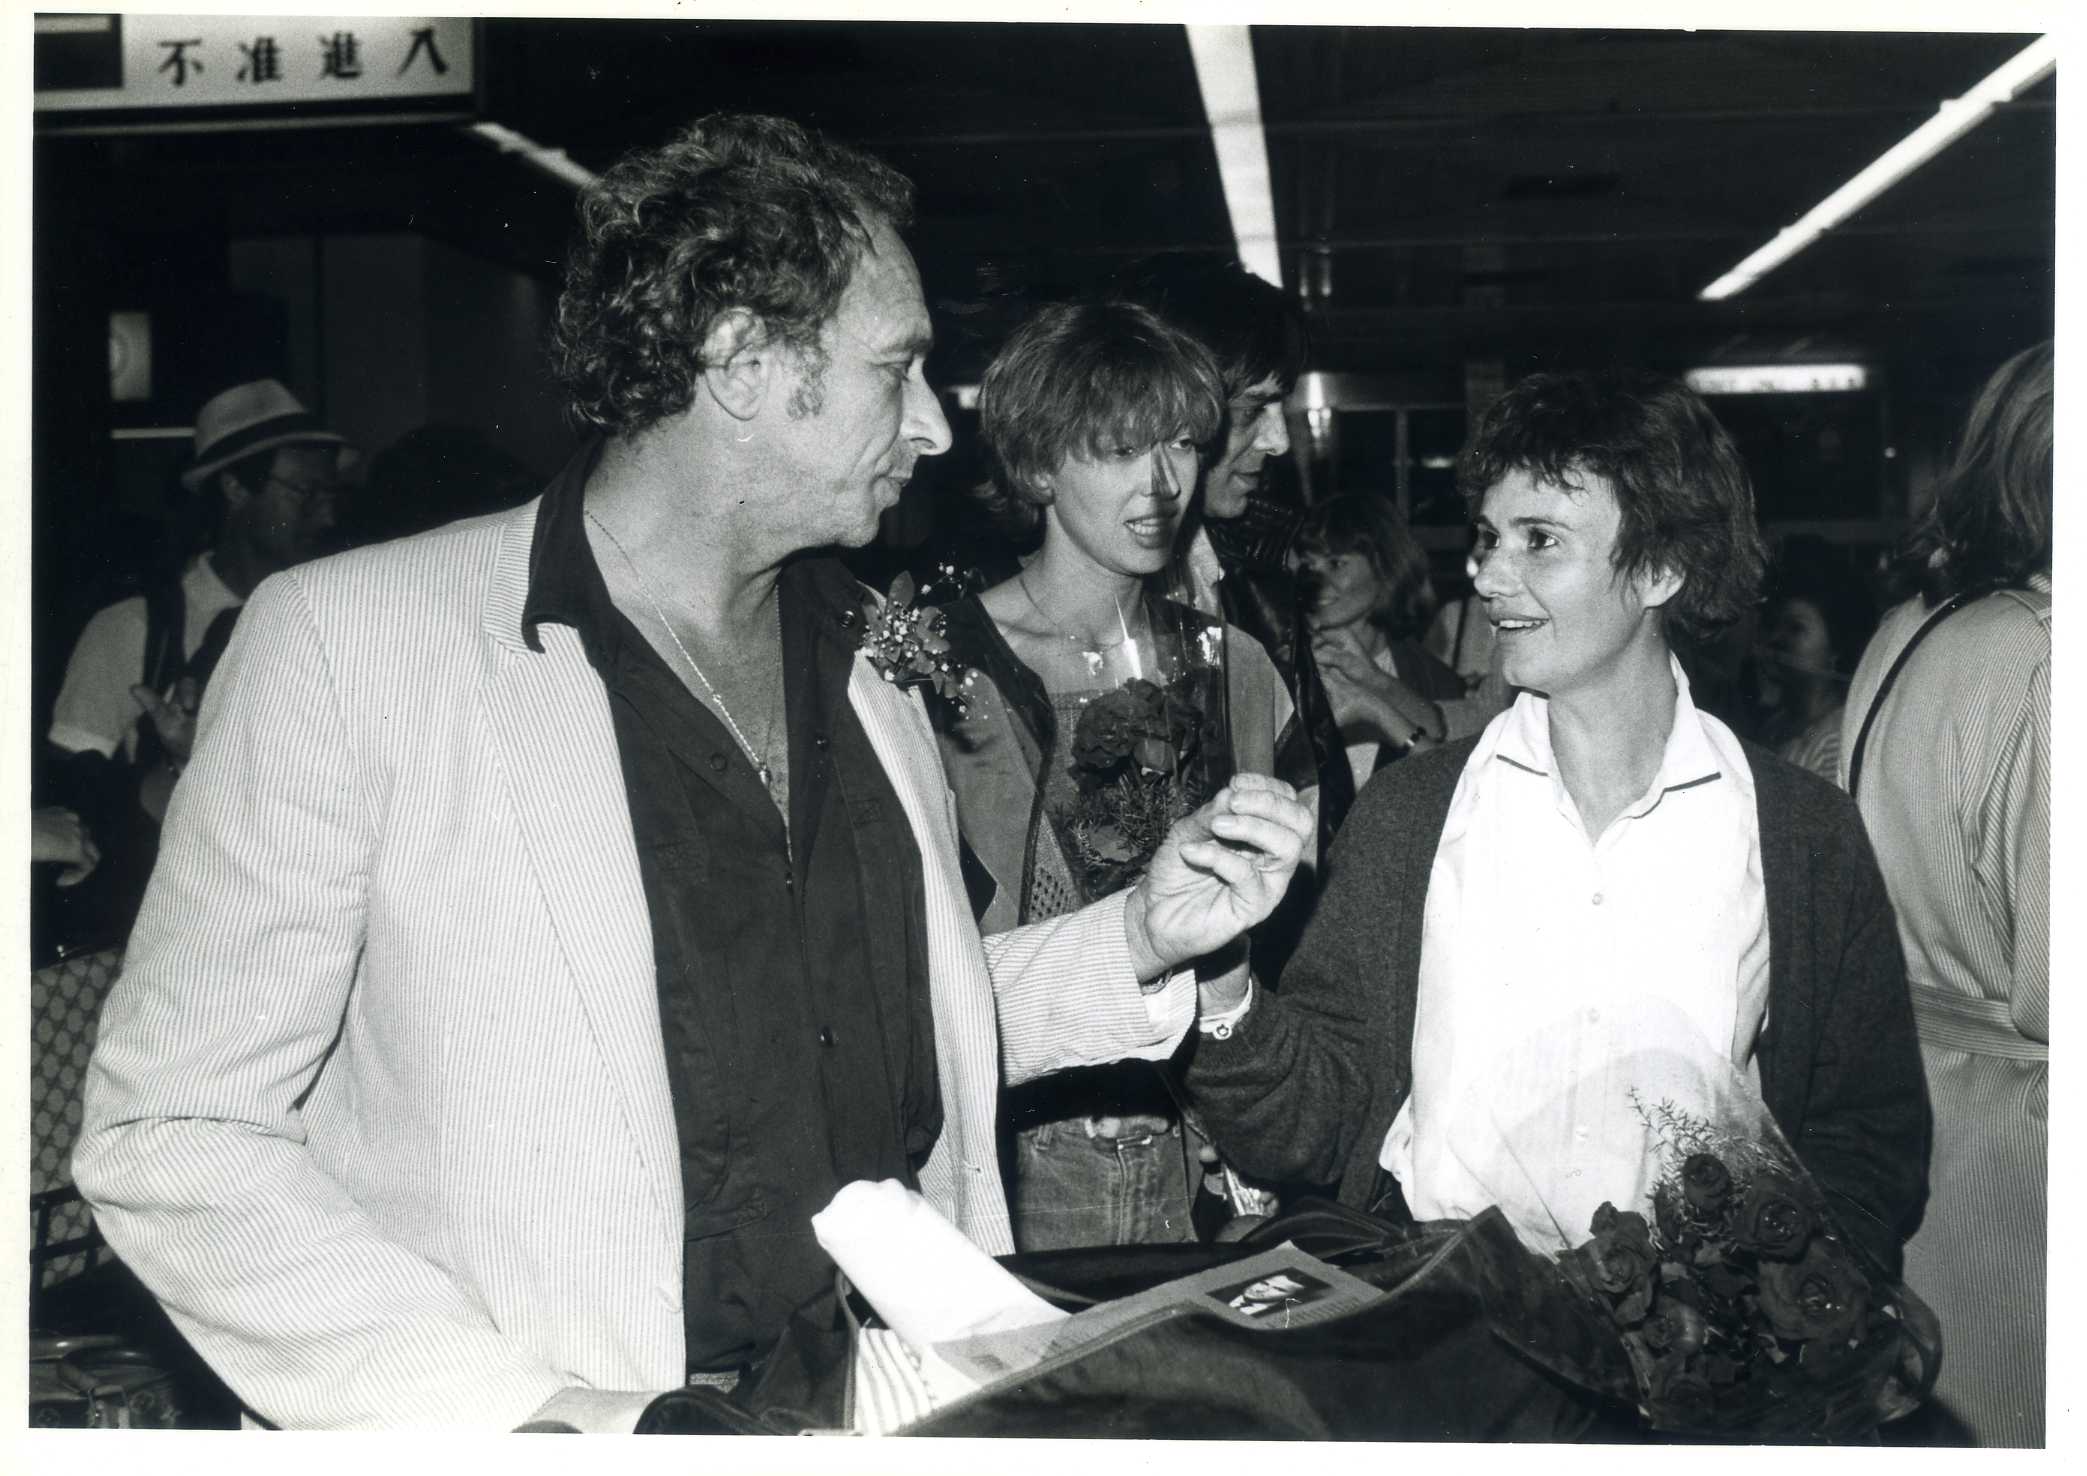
{"x": 1503, "y": 914}
{"x": 1954, "y": 782}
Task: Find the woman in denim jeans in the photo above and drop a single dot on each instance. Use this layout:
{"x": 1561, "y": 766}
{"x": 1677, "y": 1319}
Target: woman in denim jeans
{"x": 1095, "y": 414}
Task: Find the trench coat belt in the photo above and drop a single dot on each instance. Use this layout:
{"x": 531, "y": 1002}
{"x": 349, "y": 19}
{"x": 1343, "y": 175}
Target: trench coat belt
{"x": 1983, "y": 1027}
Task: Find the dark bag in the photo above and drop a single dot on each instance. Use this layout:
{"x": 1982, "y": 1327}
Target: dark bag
{"x": 1441, "y": 1357}
{"x": 1456, "y": 1351}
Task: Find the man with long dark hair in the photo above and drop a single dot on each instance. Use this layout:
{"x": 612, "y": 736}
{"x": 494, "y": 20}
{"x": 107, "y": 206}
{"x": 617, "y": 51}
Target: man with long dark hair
{"x": 1238, "y": 557}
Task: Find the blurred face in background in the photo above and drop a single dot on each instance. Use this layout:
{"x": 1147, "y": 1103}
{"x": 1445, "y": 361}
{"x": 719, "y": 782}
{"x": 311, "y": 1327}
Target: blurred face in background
{"x": 1798, "y": 640}
{"x": 289, "y": 518}
{"x": 1345, "y": 587}
{"x": 1255, "y": 432}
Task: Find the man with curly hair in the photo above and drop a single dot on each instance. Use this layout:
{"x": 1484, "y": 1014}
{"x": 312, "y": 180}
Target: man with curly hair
{"x": 560, "y": 908}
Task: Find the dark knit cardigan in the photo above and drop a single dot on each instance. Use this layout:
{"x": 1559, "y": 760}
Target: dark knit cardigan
{"x": 1308, "y": 1085}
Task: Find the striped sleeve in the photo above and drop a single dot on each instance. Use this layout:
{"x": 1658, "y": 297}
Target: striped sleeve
{"x": 1067, "y": 996}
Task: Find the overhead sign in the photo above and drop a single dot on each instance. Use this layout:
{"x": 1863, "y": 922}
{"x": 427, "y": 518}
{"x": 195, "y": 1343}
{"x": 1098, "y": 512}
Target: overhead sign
{"x": 97, "y": 63}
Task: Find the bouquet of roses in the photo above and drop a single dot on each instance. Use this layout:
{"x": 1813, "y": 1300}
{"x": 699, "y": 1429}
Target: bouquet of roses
{"x": 1711, "y": 1255}
{"x": 1147, "y": 752}
{"x": 1743, "y": 1311}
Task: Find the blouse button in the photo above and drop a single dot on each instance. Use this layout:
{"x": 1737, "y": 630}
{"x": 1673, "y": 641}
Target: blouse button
{"x": 820, "y": 742}
{"x": 826, "y": 1036}
{"x": 1597, "y": 899}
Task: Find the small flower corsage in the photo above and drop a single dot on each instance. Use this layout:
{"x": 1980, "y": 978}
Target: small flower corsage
{"x": 904, "y": 640}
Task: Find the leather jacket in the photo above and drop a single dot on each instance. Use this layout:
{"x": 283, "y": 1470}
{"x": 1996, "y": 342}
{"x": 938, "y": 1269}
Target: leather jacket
{"x": 1262, "y": 597}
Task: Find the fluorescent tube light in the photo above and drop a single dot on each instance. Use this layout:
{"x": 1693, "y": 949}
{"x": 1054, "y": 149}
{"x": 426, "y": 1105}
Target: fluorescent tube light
{"x": 1224, "y": 58}
{"x": 1777, "y": 379}
{"x": 554, "y": 162}
{"x": 1952, "y": 121}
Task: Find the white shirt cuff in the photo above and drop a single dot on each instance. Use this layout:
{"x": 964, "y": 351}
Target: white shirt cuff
{"x": 1221, "y": 1025}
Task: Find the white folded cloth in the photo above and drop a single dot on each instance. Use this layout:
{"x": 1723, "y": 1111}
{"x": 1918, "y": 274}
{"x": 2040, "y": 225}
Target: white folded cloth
{"x": 928, "y": 1283}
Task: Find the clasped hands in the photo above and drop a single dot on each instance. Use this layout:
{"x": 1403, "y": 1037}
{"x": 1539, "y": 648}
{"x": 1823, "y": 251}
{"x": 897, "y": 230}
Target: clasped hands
{"x": 1218, "y": 872}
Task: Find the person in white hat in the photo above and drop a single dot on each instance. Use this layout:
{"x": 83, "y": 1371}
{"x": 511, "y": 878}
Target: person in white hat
{"x": 125, "y": 716}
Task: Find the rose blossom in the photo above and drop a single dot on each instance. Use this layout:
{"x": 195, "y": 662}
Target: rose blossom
{"x": 1773, "y": 1221}
{"x": 1820, "y": 1297}
{"x": 1706, "y": 1181}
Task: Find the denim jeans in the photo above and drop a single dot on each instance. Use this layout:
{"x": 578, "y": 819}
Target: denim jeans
{"x": 1074, "y": 1188}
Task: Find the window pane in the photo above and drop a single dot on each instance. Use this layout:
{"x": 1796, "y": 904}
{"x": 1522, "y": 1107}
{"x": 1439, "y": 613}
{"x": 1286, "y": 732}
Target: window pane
{"x": 1435, "y": 438}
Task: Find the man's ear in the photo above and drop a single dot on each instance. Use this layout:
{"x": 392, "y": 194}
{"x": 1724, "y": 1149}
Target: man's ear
{"x": 235, "y": 492}
{"x": 742, "y": 361}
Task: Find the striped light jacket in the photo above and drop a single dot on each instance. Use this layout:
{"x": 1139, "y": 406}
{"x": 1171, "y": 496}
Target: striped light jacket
{"x": 380, "y": 1107}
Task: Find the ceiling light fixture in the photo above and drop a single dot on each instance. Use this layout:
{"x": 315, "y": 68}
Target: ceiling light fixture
{"x": 1956, "y": 117}
{"x": 1224, "y": 58}
{"x": 554, "y": 162}
{"x": 1777, "y": 379}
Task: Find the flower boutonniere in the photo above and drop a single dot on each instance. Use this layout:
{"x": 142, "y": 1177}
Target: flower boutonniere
{"x": 905, "y": 640}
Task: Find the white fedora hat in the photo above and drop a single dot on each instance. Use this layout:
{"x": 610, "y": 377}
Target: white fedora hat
{"x": 257, "y": 416}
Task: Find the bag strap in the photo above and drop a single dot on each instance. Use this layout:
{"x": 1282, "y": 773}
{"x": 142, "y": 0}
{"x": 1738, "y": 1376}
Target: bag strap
{"x": 1942, "y": 612}
{"x": 163, "y": 619}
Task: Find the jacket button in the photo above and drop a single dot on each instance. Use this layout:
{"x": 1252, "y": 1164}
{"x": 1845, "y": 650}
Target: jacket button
{"x": 821, "y": 742}
{"x": 717, "y": 763}
{"x": 826, "y": 1036}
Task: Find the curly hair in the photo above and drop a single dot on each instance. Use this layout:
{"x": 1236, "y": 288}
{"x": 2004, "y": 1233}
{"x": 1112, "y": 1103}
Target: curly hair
{"x": 1083, "y": 377}
{"x": 1687, "y": 504}
{"x": 736, "y": 211}
{"x": 1358, "y": 522}
{"x": 1991, "y": 515}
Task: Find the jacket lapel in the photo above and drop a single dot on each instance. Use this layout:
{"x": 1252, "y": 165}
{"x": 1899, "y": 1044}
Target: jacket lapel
{"x": 961, "y": 1176}
{"x": 555, "y": 746}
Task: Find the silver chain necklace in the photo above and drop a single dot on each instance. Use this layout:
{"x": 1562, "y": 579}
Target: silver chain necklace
{"x": 753, "y": 755}
{"x": 1085, "y": 644}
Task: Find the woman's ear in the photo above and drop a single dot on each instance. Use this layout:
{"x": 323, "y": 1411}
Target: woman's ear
{"x": 741, "y": 361}
{"x": 1658, "y": 587}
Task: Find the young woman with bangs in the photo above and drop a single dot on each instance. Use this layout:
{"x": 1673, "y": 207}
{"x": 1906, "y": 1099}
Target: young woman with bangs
{"x": 1096, "y": 414}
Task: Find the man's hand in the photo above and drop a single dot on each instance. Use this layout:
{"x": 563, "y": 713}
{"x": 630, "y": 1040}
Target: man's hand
{"x": 59, "y": 835}
{"x": 1217, "y": 873}
{"x": 173, "y": 716}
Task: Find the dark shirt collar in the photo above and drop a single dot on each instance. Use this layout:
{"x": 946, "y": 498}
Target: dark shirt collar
{"x": 566, "y": 585}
